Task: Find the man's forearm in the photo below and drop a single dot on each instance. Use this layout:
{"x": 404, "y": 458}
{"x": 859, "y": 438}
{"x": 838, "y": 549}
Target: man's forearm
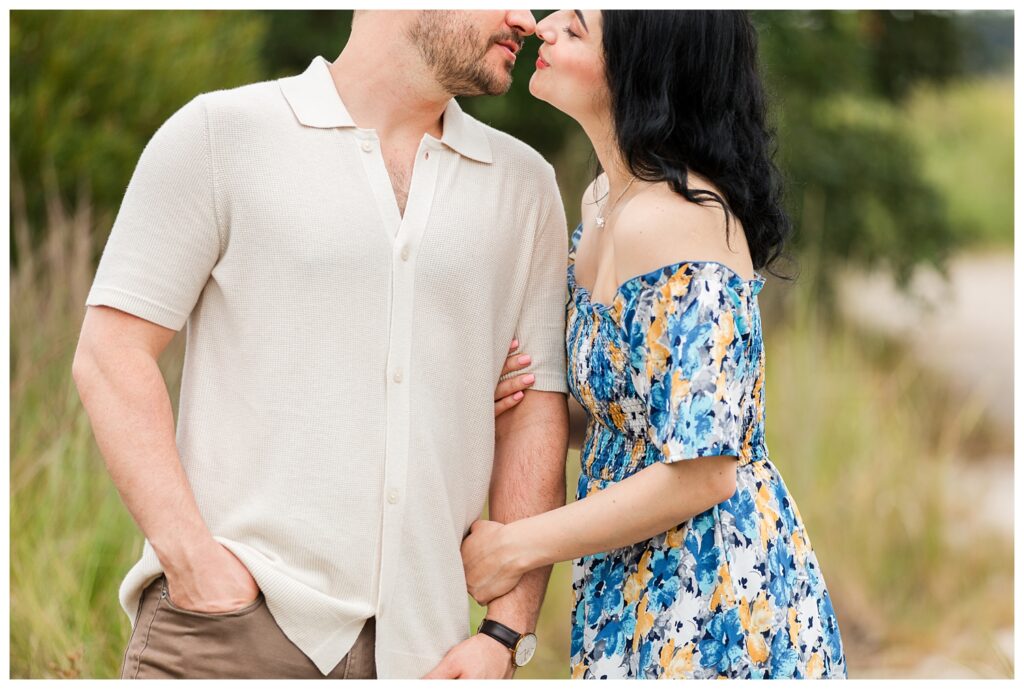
{"x": 528, "y": 479}
{"x": 126, "y": 398}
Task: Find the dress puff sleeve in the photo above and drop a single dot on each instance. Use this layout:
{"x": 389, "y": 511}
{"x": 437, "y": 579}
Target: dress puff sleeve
{"x": 694, "y": 369}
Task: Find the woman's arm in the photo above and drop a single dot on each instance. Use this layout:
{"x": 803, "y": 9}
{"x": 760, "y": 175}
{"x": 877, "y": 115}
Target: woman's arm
{"x": 647, "y": 503}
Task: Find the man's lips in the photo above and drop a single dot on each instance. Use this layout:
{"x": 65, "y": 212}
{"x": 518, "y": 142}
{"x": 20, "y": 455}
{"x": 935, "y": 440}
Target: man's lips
{"x": 511, "y": 46}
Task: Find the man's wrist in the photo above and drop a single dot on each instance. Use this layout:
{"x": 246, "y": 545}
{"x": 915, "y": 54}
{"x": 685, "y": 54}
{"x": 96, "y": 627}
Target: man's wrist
{"x": 499, "y": 648}
{"x": 512, "y": 616}
{"x": 520, "y": 646}
{"x": 180, "y": 554}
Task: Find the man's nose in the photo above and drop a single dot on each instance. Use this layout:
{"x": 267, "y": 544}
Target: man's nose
{"x": 522, "y": 21}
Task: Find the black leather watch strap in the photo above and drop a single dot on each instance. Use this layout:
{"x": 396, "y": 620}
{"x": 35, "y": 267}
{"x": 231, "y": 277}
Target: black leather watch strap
{"x": 496, "y": 630}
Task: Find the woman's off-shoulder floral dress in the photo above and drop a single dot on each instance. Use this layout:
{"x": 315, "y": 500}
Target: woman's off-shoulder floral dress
{"x": 671, "y": 370}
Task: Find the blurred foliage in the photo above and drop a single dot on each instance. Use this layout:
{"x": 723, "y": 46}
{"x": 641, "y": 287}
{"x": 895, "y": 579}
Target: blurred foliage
{"x": 84, "y": 101}
{"x": 854, "y": 182}
{"x": 908, "y": 47}
{"x": 965, "y": 131}
{"x": 89, "y": 88}
{"x": 294, "y": 38}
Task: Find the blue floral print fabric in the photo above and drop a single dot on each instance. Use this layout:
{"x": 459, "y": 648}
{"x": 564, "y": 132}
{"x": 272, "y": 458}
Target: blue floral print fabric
{"x": 673, "y": 369}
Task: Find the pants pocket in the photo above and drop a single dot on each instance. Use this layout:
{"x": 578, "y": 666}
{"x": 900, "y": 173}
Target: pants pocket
{"x": 246, "y": 609}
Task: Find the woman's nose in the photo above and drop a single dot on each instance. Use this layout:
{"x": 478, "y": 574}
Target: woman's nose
{"x": 546, "y": 32}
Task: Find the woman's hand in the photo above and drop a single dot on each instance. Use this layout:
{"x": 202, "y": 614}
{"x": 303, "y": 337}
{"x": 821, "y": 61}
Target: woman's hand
{"x": 492, "y": 569}
{"x": 510, "y": 392}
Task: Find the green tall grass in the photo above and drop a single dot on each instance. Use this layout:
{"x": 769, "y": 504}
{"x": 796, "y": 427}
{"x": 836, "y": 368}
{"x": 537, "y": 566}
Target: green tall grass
{"x": 71, "y": 538}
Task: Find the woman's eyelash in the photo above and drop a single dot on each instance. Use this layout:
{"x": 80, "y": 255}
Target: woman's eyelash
{"x": 569, "y": 31}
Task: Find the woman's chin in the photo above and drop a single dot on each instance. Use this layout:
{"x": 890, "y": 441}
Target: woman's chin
{"x": 537, "y": 88}
{"x": 543, "y": 94}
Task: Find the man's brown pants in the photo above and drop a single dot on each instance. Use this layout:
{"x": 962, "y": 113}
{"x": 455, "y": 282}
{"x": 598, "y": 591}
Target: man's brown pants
{"x": 171, "y": 643}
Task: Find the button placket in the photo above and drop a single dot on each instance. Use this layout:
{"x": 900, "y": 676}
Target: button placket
{"x": 379, "y": 181}
{"x": 411, "y": 227}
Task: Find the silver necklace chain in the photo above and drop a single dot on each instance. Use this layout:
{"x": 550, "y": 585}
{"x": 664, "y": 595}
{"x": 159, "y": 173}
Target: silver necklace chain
{"x": 601, "y": 217}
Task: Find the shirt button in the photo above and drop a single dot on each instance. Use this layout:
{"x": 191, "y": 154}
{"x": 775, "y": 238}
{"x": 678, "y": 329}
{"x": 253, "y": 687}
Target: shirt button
{"x": 367, "y": 146}
{"x": 405, "y": 253}
{"x": 426, "y": 156}
{"x": 393, "y": 496}
{"x": 398, "y": 375}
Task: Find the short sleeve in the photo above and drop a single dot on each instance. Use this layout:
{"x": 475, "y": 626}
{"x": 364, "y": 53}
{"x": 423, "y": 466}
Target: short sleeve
{"x": 541, "y": 325}
{"x": 166, "y": 239}
{"x": 695, "y": 366}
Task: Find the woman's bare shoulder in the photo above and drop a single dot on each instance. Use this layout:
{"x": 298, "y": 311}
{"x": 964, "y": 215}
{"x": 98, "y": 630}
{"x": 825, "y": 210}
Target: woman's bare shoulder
{"x": 660, "y": 227}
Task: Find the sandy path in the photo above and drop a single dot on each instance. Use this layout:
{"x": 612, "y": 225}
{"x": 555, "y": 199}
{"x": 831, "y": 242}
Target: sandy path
{"x": 963, "y": 329}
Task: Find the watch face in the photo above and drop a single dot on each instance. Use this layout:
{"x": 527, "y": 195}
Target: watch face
{"x": 525, "y": 649}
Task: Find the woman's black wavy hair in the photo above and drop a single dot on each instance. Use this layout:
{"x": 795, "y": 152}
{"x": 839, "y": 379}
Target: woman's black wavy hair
{"x": 686, "y": 96}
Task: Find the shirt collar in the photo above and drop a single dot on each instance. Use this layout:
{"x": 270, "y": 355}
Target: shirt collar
{"x": 315, "y": 101}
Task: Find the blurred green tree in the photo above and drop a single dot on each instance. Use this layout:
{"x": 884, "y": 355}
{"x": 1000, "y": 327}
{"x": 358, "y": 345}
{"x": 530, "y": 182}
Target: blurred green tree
{"x": 909, "y": 47}
{"x": 294, "y": 38}
{"x": 89, "y": 88}
{"x": 854, "y": 180}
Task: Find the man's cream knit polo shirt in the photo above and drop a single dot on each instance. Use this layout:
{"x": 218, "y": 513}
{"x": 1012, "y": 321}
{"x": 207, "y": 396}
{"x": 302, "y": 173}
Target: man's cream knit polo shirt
{"x": 336, "y": 415}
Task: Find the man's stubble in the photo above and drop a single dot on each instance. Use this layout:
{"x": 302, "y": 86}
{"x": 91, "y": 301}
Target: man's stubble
{"x": 454, "y": 51}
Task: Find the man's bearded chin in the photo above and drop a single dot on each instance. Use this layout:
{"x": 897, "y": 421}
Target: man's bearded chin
{"x": 458, "y": 68}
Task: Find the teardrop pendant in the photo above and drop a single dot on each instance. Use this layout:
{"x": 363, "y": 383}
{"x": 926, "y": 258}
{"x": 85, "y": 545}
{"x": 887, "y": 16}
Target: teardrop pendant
{"x": 599, "y": 219}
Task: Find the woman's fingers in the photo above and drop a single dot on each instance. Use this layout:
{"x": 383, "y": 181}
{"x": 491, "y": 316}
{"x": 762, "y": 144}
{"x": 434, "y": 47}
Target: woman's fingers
{"x": 515, "y": 362}
{"x": 513, "y": 385}
{"x": 510, "y": 392}
{"x": 506, "y": 403}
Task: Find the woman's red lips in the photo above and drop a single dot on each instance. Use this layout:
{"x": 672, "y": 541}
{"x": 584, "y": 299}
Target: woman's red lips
{"x": 542, "y": 63}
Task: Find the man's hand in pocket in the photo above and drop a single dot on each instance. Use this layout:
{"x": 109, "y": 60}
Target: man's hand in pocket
{"x": 210, "y": 579}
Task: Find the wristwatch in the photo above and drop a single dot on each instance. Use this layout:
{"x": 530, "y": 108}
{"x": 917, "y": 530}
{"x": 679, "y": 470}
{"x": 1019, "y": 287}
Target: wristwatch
{"x": 522, "y": 646}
